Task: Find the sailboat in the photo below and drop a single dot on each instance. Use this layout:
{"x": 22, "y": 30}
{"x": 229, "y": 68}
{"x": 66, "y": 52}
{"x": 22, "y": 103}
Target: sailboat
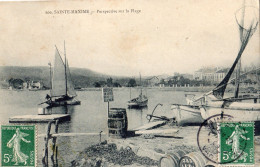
{"x": 211, "y": 103}
{"x": 62, "y": 91}
{"x": 140, "y": 101}
{"x": 240, "y": 107}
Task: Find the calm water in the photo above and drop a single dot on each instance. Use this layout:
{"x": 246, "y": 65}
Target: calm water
{"x": 90, "y": 116}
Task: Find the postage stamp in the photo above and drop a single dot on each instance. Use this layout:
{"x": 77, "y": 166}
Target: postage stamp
{"x": 236, "y": 143}
{"x": 207, "y": 137}
{"x": 18, "y": 145}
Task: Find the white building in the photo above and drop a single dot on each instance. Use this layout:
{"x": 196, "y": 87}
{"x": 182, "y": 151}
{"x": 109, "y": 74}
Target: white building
{"x": 210, "y": 74}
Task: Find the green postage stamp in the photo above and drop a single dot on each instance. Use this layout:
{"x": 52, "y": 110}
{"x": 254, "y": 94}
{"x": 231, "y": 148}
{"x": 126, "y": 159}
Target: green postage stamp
{"x": 236, "y": 143}
{"x": 18, "y": 145}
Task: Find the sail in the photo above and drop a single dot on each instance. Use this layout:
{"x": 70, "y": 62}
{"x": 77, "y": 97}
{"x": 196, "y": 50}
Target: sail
{"x": 70, "y": 87}
{"x": 247, "y": 26}
{"x": 218, "y": 92}
{"x": 58, "y": 79}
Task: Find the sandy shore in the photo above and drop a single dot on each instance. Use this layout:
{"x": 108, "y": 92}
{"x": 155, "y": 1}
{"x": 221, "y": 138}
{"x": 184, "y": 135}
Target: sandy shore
{"x": 145, "y": 150}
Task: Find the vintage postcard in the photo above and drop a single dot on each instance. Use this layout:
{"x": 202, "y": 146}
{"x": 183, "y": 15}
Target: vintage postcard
{"x": 130, "y": 83}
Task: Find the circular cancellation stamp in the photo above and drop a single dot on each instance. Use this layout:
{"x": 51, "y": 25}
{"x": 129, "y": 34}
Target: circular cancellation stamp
{"x": 223, "y": 141}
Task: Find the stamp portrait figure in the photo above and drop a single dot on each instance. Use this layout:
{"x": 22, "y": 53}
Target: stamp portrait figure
{"x": 234, "y": 139}
{"x": 15, "y": 143}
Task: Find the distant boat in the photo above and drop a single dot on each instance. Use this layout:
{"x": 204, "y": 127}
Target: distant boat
{"x": 62, "y": 89}
{"x": 138, "y": 102}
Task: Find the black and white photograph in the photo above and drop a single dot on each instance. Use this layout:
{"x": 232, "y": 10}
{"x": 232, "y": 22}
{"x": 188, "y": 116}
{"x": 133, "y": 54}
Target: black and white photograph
{"x": 119, "y": 83}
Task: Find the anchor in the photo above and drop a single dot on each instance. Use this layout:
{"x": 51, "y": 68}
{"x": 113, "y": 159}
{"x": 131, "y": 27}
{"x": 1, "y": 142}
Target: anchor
{"x": 150, "y": 116}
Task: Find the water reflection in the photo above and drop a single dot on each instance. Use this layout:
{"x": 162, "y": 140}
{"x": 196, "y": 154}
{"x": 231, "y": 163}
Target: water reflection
{"x": 136, "y": 117}
{"x": 90, "y": 116}
{"x": 59, "y": 147}
{"x": 62, "y": 110}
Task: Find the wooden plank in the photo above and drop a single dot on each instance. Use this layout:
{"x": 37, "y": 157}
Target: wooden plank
{"x": 39, "y": 118}
{"x": 151, "y": 125}
{"x": 157, "y": 131}
{"x": 72, "y": 134}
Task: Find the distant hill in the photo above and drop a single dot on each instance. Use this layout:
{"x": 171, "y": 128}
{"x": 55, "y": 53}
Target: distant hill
{"x": 81, "y": 77}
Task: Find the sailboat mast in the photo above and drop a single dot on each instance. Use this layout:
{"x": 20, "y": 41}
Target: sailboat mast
{"x": 237, "y": 78}
{"x": 66, "y": 84}
{"x": 130, "y": 93}
{"x": 50, "y": 78}
{"x": 239, "y": 62}
{"x": 141, "y": 84}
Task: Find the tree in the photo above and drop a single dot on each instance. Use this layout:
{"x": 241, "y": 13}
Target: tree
{"x": 109, "y": 82}
{"x": 131, "y": 83}
{"x": 10, "y": 81}
{"x": 116, "y": 84}
{"x": 162, "y": 81}
{"x": 97, "y": 84}
{"x": 16, "y": 83}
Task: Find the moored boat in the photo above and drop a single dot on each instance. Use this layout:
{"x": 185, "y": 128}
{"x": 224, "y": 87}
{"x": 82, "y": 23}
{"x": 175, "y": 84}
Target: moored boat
{"x": 239, "y": 107}
{"x": 186, "y": 114}
{"x": 138, "y": 102}
{"x": 213, "y": 102}
{"x": 62, "y": 91}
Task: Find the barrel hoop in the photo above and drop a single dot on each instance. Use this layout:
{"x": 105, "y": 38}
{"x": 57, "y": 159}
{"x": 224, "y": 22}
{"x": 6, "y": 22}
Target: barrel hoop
{"x": 167, "y": 156}
{"x": 176, "y": 157}
{"x": 195, "y": 159}
{"x": 118, "y": 125}
{"x": 117, "y": 119}
{"x": 117, "y": 109}
{"x": 204, "y": 161}
{"x": 173, "y": 157}
{"x": 115, "y": 116}
{"x": 200, "y": 158}
{"x": 117, "y": 129}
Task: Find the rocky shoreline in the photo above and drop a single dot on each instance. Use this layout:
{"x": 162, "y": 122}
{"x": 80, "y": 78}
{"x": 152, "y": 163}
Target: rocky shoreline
{"x": 108, "y": 154}
{"x": 143, "y": 150}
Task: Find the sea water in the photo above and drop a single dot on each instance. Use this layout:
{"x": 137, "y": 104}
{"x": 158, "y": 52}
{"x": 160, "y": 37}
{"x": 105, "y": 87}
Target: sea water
{"x": 90, "y": 116}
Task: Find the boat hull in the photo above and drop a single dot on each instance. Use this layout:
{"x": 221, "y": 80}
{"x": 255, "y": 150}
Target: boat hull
{"x": 63, "y": 103}
{"x": 239, "y": 111}
{"x": 187, "y": 115}
{"x": 137, "y": 104}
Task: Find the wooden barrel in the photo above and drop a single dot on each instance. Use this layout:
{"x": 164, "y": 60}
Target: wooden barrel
{"x": 194, "y": 159}
{"x": 117, "y": 123}
{"x": 172, "y": 159}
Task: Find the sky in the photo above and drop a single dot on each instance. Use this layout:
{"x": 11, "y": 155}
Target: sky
{"x": 164, "y": 37}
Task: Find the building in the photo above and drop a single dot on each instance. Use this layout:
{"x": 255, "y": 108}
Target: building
{"x": 32, "y": 85}
{"x": 198, "y": 75}
{"x": 36, "y": 85}
{"x": 210, "y": 74}
{"x": 152, "y": 81}
{"x": 220, "y": 74}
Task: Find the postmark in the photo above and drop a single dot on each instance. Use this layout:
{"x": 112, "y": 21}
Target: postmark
{"x": 225, "y": 142}
{"x": 18, "y": 145}
{"x": 207, "y": 136}
{"x": 236, "y": 143}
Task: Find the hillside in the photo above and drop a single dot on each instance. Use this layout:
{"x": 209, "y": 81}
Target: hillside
{"x": 81, "y": 77}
